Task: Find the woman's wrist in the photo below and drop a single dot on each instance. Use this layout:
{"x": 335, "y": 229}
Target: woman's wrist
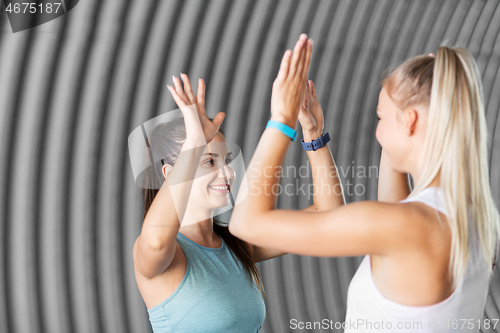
{"x": 191, "y": 143}
{"x": 310, "y": 135}
{"x": 285, "y": 120}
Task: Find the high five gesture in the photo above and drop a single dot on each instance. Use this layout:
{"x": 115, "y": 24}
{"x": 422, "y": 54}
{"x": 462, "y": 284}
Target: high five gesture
{"x": 288, "y": 87}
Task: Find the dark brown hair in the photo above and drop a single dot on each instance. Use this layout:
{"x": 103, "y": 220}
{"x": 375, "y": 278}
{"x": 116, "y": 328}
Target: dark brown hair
{"x": 165, "y": 142}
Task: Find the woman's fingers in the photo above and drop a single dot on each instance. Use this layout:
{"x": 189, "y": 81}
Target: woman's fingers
{"x": 301, "y": 63}
{"x": 313, "y": 88}
{"x": 297, "y": 53}
{"x": 188, "y": 109}
{"x": 308, "y": 49}
{"x": 187, "y": 88}
{"x": 200, "y": 94}
{"x": 285, "y": 65}
{"x": 179, "y": 89}
{"x": 218, "y": 119}
{"x": 178, "y": 100}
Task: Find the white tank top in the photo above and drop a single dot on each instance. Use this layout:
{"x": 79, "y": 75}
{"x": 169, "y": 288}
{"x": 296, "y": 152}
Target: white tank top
{"x": 369, "y": 311}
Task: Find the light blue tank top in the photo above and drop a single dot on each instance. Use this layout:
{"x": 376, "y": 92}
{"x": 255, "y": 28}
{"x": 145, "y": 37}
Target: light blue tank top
{"x": 216, "y": 295}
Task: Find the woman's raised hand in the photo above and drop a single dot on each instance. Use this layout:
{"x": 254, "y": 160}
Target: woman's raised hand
{"x": 311, "y": 114}
{"x": 198, "y": 127}
{"x": 288, "y": 87}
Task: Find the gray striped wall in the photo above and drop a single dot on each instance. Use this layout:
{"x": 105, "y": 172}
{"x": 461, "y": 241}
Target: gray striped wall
{"x": 73, "y": 89}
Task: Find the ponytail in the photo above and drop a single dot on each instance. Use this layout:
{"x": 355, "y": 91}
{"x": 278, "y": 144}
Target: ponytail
{"x": 455, "y": 148}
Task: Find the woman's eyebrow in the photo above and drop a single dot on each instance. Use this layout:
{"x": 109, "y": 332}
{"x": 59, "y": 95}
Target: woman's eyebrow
{"x": 216, "y": 155}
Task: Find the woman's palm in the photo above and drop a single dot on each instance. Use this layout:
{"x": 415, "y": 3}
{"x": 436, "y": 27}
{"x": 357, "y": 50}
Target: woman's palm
{"x": 193, "y": 109}
{"x": 311, "y": 114}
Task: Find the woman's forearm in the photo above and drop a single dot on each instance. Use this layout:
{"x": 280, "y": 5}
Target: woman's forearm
{"x": 327, "y": 188}
{"x": 263, "y": 172}
{"x": 162, "y": 221}
{"x": 260, "y": 177}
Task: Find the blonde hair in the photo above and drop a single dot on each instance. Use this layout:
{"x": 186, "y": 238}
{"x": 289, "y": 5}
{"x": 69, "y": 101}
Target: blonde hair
{"x": 455, "y": 147}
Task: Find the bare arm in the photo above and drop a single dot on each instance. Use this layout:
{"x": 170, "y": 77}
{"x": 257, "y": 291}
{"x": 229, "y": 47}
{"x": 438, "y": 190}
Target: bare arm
{"x": 358, "y": 228}
{"x": 325, "y": 179}
{"x": 155, "y": 247}
{"x": 349, "y": 230}
{"x": 328, "y": 190}
{"x": 261, "y": 253}
{"x": 392, "y": 186}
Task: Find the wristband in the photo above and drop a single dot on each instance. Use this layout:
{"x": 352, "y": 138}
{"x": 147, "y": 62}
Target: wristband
{"x": 285, "y": 129}
{"x": 316, "y": 144}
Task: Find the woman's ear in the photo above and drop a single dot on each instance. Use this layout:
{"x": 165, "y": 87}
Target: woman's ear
{"x": 166, "y": 169}
{"x": 411, "y": 121}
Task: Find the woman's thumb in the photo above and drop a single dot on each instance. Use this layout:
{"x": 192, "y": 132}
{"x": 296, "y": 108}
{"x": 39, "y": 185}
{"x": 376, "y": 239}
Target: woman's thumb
{"x": 219, "y": 118}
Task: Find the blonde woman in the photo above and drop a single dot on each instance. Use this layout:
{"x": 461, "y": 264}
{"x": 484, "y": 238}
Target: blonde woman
{"x": 428, "y": 254}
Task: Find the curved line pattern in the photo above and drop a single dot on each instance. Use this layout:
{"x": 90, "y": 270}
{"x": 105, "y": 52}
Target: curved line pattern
{"x": 73, "y": 89}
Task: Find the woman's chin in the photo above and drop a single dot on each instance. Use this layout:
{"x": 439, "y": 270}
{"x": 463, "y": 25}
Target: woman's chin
{"x": 220, "y": 203}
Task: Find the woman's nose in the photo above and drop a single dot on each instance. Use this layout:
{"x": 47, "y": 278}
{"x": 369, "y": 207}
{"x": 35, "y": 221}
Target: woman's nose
{"x": 226, "y": 172}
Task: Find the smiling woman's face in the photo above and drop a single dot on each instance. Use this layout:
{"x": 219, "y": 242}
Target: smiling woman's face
{"x": 214, "y": 176}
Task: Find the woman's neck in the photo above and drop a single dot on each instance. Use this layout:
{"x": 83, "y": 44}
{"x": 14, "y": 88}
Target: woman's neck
{"x": 201, "y": 232}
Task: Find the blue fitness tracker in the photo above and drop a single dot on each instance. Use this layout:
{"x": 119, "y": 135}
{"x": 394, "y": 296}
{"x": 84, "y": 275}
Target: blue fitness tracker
{"x": 316, "y": 144}
{"x": 285, "y": 129}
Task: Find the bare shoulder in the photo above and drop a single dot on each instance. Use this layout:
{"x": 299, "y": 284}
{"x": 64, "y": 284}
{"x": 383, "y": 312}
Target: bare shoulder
{"x": 423, "y": 225}
{"x": 416, "y": 274}
{"x": 410, "y": 223}
{"x": 403, "y": 215}
{"x": 423, "y": 215}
